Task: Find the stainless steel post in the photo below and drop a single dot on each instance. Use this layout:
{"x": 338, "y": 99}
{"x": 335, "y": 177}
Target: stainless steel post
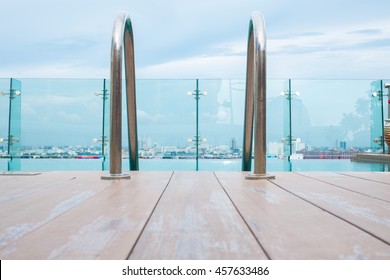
{"x": 122, "y": 32}
{"x": 255, "y": 100}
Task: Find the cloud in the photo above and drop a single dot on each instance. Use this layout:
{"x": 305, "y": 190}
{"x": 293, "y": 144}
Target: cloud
{"x": 348, "y": 52}
{"x": 372, "y": 31}
{"x": 296, "y": 35}
{"x": 233, "y": 66}
{"x": 144, "y": 116}
{"x": 69, "y": 117}
{"x": 207, "y": 38}
{"x": 55, "y": 69}
{"x": 374, "y": 44}
{"x": 28, "y": 111}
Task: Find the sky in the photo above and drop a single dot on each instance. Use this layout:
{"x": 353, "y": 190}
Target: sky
{"x": 182, "y": 39}
{"x": 327, "y": 39}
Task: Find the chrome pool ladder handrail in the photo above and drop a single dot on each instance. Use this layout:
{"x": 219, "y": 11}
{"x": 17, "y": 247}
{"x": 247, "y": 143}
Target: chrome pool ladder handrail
{"x": 122, "y": 35}
{"x": 255, "y": 100}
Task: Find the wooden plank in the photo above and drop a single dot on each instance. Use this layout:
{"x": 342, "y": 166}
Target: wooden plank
{"x": 382, "y": 177}
{"x": 291, "y": 228}
{"x": 4, "y": 180}
{"x": 367, "y": 213}
{"x": 105, "y": 226}
{"x": 196, "y": 220}
{"x": 362, "y": 185}
{"x": 25, "y": 209}
{"x": 15, "y": 186}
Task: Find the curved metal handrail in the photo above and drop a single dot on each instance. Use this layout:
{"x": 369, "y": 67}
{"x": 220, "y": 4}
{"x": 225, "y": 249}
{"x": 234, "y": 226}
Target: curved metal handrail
{"x": 122, "y": 32}
{"x": 255, "y": 100}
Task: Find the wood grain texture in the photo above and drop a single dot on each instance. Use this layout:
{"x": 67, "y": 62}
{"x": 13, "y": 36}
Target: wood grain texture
{"x": 290, "y": 228}
{"x": 382, "y": 177}
{"x": 195, "y": 215}
{"x": 29, "y": 207}
{"x": 362, "y": 185}
{"x": 196, "y": 220}
{"x": 365, "y": 212}
{"x": 104, "y": 225}
{"x": 16, "y": 186}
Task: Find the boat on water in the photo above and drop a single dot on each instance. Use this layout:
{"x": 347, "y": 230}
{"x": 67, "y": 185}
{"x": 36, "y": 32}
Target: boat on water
{"x": 89, "y": 157}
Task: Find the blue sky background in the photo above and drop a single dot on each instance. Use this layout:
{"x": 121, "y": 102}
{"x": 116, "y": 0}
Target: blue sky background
{"x": 187, "y": 39}
{"x": 182, "y": 39}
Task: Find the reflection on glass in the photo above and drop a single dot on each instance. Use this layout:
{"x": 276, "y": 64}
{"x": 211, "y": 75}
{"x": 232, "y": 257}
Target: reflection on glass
{"x": 166, "y": 120}
{"x": 4, "y": 117}
{"x": 14, "y": 138}
{"x": 318, "y": 129}
{"x": 221, "y": 121}
{"x": 105, "y": 135}
{"x": 61, "y": 119}
{"x": 377, "y": 116}
{"x": 333, "y": 117}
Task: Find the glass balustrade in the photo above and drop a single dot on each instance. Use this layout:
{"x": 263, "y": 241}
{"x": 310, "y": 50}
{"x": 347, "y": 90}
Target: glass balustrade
{"x": 4, "y": 119}
{"x": 12, "y": 136}
{"x": 194, "y": 124}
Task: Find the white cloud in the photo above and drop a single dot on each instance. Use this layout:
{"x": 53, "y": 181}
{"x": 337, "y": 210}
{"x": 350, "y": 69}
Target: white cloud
{"x": 28, "y": 111}
{"x": 200, "y": 67}
{"x": 143, "y": 115}
{"x": 176, "y": 39}
{"x": 55, "y": 70}
{"x": 68, "y": 117}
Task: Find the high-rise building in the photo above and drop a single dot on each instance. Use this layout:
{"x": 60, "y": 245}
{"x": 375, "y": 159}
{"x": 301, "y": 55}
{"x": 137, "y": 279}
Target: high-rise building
{"x": 233, "y": 144}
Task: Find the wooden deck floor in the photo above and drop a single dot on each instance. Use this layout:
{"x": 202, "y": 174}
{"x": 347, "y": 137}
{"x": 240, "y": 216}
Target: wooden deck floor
{"x": 195, "y": 215}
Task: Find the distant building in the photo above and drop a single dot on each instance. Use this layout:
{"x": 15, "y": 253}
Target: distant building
{"x": 275, "y": 148}
{"x": 233, "y": 144}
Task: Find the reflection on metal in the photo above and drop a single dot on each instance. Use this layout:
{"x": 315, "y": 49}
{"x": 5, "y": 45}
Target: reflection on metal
{"x": 122, "y": 32}
{"x": 255, "y": 100}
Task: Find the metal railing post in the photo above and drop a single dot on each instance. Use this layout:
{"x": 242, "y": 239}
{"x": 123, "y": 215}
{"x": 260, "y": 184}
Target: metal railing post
{"x": 122, "y": 32}
{"x": 255, "y": 100}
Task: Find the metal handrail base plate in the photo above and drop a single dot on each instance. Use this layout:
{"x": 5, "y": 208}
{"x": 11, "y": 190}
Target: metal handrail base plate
{"x": 115, "y": 177}
{"x": 259, "y": 176}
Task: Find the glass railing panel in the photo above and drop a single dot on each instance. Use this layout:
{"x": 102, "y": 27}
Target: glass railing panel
{"x": 386, "y": 108}
{"x": 221, "y": 120}
{"x": 327, "y": 121}
{"x": 166, "y": 121}
{"x": 287, "y": 106}
{"x": 278, "y": 124}
{"x": 61, "y": 119}
{"x": 386, "y": 98}
{"x": 377, "y": 116}
{"x": 14, "y": 129}
{"x": 332, "y": 120}
{"x": 4, "y": 117}
{"x": 10, "y": 133}
{"x": 104, "y": 138}
{"x": 287, "y": 95}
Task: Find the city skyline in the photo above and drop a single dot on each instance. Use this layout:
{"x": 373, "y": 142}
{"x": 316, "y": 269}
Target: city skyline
{"x": 68, "y": 112}
{"x": 327, "y": 40}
